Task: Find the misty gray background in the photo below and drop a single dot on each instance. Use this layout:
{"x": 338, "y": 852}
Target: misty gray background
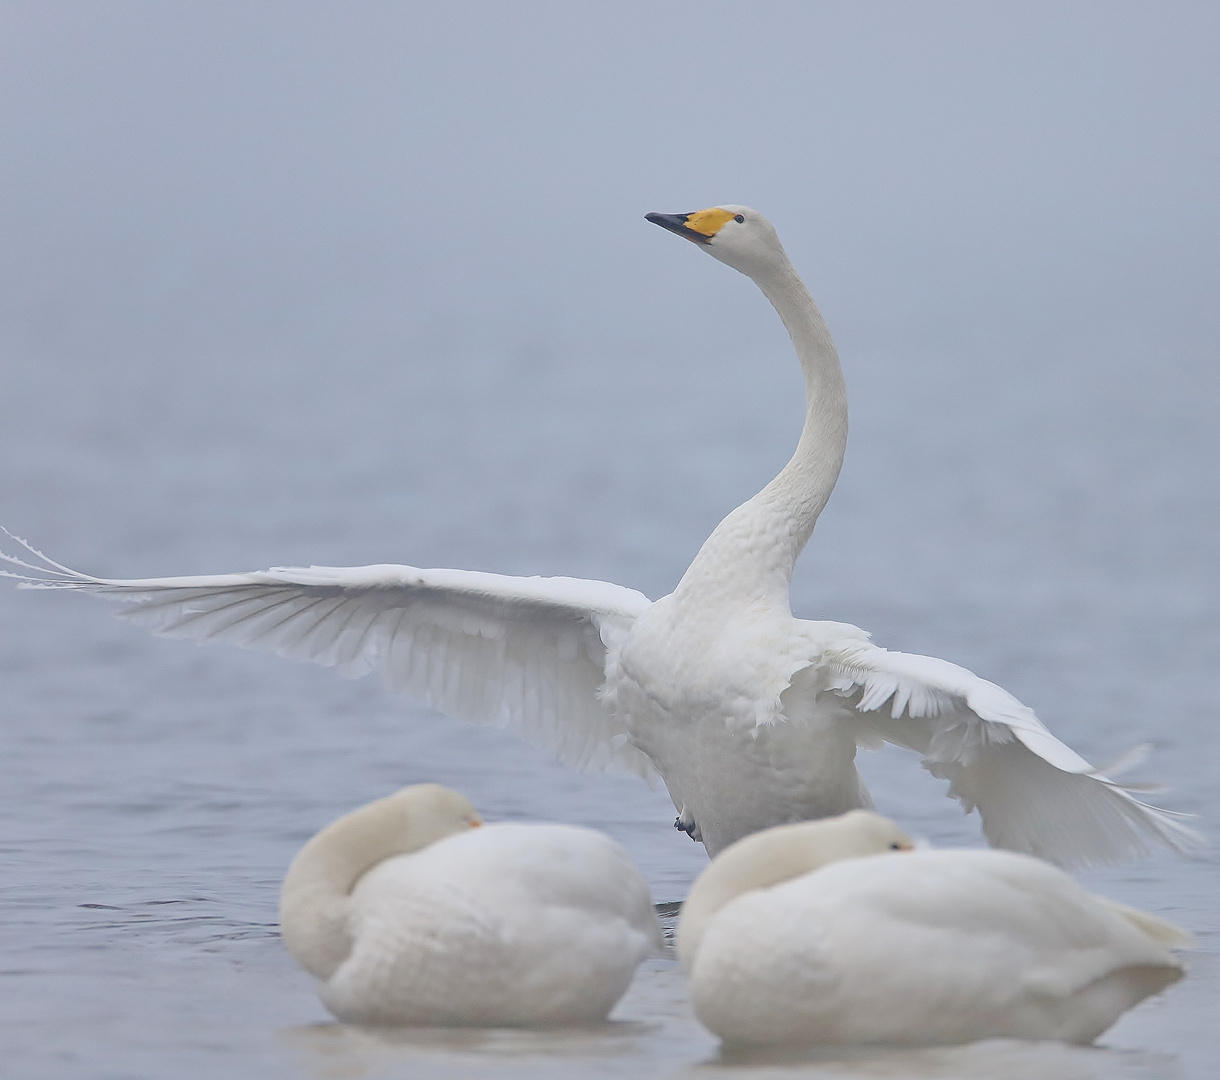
{"x": 347, "y": 283}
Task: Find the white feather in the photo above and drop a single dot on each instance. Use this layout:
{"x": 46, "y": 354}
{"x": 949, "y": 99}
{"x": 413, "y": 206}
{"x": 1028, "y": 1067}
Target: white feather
{"x": 1034, "y": 793}
{"x": 526, "y": 654}
{"x": 822, "y": 933}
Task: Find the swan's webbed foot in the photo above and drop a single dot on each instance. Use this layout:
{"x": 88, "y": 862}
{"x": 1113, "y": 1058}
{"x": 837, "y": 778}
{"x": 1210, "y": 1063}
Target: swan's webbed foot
{"x": 685, "y": 823}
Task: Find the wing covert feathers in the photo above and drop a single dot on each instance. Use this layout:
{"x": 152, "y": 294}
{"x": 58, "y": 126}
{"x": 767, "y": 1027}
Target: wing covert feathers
{"x": 1034, "y": 793}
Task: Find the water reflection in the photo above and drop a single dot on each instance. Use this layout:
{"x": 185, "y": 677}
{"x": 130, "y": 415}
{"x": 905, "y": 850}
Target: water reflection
{"x": 331, "y": 1051}
{"x": 632, "y": 1047}
{"x": 994, "y": 1059}
{"x": 654, "y": 1034}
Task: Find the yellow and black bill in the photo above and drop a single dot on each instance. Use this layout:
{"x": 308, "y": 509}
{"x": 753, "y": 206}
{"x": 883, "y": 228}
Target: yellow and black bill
{"x": 700, "y": 226}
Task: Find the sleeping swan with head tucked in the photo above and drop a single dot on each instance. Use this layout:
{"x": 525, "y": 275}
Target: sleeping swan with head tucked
{"x": 818, "y": 933}
{"x": 406, "y": 913}
{"x": 750, "y": 716}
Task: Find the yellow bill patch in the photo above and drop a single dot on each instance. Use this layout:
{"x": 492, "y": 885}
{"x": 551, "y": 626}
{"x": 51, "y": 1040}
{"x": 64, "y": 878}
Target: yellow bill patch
{"x": 708, "y": 222}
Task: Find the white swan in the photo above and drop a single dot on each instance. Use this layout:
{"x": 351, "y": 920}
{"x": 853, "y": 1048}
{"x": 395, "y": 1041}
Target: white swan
{"x": 924, "y": 948}
{"x": 751, "y": 717}
{"x": 407, "y": 915}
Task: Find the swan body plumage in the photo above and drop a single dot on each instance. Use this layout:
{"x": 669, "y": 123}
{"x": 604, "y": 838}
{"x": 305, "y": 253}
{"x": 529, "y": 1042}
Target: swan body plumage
{"x": 503, "y": 925}
{"x": 750, "y": 716}
{"x": 926, "y": 947}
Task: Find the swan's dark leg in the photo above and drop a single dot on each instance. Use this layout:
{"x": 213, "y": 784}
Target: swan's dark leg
{"x": 685, "y": 823}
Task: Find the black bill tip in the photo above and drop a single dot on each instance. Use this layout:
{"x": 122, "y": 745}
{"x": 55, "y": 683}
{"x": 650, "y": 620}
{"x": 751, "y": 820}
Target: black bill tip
{"x": 676, "y": 223}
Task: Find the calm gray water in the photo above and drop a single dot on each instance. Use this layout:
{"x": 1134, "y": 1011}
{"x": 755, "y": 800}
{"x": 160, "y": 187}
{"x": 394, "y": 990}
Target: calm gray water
{"x": 1049, "y": 522}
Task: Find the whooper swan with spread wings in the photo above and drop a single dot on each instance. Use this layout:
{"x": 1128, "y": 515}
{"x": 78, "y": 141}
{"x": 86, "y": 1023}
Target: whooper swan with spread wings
{"x": 750, "y": 716}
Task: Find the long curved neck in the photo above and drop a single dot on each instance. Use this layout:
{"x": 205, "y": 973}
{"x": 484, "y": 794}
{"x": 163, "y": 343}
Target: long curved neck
{"x": 768, "y": 858}
{"x": 315, "y": 899}
{"x": 756, "y": 862}
{"x": 750, "y": 555}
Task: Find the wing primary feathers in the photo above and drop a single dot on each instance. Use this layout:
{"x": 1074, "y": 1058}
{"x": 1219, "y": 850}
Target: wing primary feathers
{"x": 291, "y": 645}
{"x": 288, "y": 617}
{"x": 74, "y": 575}
{"x": 526, "y": 653}
{"x": 188, "y": 617}
{"x": 1034, "y": 793}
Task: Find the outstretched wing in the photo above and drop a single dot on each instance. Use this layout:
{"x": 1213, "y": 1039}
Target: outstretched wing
{"x": 523, "y": 653}
{"x": 1033, "y": 793}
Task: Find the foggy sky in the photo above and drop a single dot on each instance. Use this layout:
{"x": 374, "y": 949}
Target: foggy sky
{"x": 339, "y": 170}
{"x": 212, "y": 209}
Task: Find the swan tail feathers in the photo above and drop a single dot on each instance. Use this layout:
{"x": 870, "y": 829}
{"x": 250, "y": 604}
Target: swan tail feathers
{"x": 1160, "y": 930}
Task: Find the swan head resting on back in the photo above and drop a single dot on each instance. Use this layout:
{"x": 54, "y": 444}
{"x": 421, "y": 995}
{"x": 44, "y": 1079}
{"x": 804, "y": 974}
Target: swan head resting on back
{"x": 780, "y": 854}
{"x": 935, "y": 947}
{"x": 315, "y": 895}
{"x": 407, "y": 914}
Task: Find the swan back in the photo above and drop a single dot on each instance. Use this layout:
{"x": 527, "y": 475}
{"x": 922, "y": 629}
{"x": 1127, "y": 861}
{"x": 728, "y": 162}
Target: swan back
{"x": 315, "y": 898}
{"x": 935, "y": 947}
{"x": 780, "y": 854}
{"x": 514, "y": 923}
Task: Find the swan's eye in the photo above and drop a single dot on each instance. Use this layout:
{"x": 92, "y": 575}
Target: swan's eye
{"x": 740, "y": 218}
{"x": 895, "y": 847}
